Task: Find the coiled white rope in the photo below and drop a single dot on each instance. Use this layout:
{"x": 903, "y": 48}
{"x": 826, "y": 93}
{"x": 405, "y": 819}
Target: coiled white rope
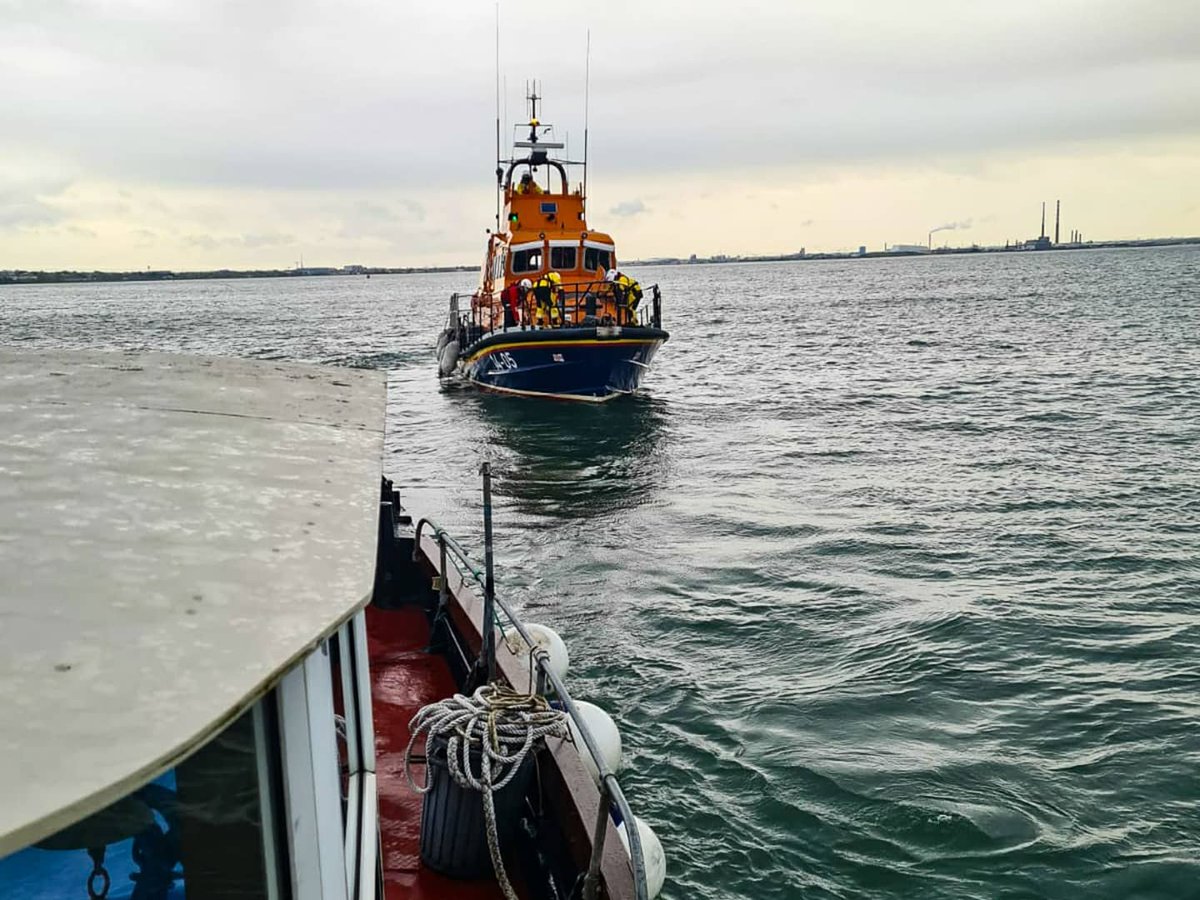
{"x": 501, "y": 726}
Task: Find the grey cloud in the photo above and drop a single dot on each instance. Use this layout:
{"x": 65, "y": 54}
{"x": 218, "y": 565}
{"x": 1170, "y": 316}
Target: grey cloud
{"x": 365, "y": 209}
{"x": 371, "y": 211}
{"x": 302, "y": 95}
{"x": 628, "y": 208}
{"x": 250, "y": 241}
{"x": 387, "y": 221}
{"x": 23, "y": 205}
{"x": 267, "y": 240}
{"x": 24, "y": 213}
{"x": 201, "y": 241}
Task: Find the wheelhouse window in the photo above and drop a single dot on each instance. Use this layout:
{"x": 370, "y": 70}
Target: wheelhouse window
{"x": 283, "y": 797}
{"x": 527, "y": 260}
{"x": 595, "y": 258}
{"x": 562, "y": 258}
{"x": 208, "y": 828}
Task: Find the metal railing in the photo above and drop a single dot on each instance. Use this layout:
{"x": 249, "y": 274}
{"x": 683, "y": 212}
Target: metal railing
{"x": 610, "y": 787}
{"x": 594, "y": 303}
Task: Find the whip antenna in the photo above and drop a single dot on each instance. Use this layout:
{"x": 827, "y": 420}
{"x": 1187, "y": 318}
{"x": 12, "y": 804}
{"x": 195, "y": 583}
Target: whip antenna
{"x": 587, "y": 83}
{"x": 498, "y": 172}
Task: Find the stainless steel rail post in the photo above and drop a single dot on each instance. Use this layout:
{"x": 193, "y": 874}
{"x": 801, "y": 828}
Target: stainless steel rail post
{"x": 592, "y": 881}
{"x": 443, "y": 589}
{"x": 489, "y": 586}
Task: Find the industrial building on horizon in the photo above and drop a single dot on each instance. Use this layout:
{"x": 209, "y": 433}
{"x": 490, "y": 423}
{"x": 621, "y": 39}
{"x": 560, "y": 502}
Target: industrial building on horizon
{"x": 1041, "y": 242}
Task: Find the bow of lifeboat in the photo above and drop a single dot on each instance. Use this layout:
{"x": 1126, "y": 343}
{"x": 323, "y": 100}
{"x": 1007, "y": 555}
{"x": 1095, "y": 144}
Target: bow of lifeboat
{"x": 585, "y": 362}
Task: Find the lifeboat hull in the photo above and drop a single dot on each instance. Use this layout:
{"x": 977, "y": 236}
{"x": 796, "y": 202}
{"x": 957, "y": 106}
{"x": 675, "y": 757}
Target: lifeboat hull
{"x": 591, "y": 364}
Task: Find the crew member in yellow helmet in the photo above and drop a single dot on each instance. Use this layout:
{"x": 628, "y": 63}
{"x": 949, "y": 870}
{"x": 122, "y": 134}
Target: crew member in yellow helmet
{"x": 547, "y": 292}
{"x": 628, "y": 294}
{"x": 556, "y": 305}
{"x": 528, "y": 185}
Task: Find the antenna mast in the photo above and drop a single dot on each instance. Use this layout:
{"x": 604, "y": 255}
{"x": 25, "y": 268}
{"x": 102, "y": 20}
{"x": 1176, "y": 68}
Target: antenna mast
{"x": 531, "y": 94}
{"x": 587, "y": 83}
{"x": 499, "y": 172}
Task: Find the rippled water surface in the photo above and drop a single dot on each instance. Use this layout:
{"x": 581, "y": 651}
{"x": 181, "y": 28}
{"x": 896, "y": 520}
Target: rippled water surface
{"x": 890, "y": 577}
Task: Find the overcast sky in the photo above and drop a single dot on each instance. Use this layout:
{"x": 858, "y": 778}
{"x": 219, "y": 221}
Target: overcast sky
{"x": 249, "y": 133}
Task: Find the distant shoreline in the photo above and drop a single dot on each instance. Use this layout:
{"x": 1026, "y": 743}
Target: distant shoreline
{"x": 907, "y": 252}
{"x": 22, "y": 276}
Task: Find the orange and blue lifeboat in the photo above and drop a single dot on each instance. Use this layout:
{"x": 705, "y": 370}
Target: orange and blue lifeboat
{"x": 552, "y": 316}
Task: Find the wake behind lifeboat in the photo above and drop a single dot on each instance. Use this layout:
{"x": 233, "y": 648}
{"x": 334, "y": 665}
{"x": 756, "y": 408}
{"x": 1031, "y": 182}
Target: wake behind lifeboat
{"x": 552, "y": 316}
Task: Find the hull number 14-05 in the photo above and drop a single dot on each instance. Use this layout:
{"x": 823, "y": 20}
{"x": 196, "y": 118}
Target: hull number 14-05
{"x": 503, "y": 361}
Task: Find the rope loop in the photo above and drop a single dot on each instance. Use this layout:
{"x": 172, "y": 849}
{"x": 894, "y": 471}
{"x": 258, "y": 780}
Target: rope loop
{"x": 488, "y": 736}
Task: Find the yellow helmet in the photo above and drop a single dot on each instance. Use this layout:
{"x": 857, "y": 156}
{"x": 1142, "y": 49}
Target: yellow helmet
{"x": 555, "y": 277}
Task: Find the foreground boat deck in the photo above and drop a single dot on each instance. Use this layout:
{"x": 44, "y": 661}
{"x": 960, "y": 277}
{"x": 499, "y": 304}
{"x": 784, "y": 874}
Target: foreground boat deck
{"x": 403, "y": 679}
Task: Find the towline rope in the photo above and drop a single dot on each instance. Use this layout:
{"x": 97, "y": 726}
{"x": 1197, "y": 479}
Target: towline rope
{"x": 500, "y": 725}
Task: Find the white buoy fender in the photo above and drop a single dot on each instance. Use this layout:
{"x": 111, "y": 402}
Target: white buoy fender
{"x": 546, "y": 638}
{"x": 442, "y": 341}
{"x": 604, "y": 732}
{"x": 449, "y": 358}
{"x": 653, "y": 856}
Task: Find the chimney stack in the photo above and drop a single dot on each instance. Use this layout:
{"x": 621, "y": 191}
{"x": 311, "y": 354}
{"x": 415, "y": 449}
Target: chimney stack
{"x": 1043, "y": 233}
{"x": 1057, "y": 210}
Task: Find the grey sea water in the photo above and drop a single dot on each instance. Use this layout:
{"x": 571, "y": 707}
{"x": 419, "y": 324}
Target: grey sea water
{"x": 890, "y": 578}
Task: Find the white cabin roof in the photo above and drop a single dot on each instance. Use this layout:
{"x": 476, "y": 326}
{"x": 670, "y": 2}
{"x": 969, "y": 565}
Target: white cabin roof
{"x": 175, "y": 532}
